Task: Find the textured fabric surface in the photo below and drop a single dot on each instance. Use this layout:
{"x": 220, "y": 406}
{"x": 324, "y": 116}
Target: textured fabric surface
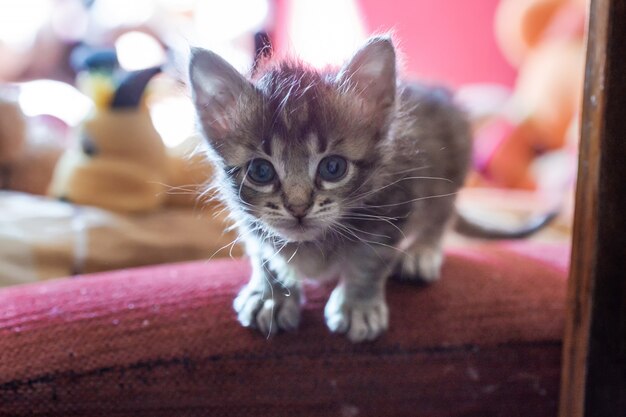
{"x": 42, "y": 238}
{"x": 163, "y": 341}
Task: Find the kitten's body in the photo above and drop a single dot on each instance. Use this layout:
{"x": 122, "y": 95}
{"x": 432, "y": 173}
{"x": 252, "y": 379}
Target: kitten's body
{"x": 408, "y": 150}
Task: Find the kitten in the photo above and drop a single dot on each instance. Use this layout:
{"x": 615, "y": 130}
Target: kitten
{"x": 349, "y": 175}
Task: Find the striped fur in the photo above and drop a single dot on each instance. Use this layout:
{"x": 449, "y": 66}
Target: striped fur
{"x": 407, "y": 148}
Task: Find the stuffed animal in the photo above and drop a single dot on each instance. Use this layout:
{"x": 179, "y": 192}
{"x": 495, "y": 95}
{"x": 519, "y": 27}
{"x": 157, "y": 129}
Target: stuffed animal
{"x": 544, "y": 39}
{"x": 12, "y": 138}
{"x": 119, "y": 161}
{"x": 29, "y": 147}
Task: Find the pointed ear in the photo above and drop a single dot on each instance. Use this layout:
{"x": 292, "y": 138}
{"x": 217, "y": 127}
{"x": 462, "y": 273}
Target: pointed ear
{"x": 372, "y": 74}
{"x": 218, "y": 90}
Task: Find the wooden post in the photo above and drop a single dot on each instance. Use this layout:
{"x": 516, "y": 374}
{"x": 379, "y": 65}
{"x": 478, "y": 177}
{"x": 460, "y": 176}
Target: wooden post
{"x": 594, "y": 352}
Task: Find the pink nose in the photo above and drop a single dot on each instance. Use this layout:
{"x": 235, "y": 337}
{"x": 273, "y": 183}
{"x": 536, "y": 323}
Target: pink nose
{"x": 298, "y": 210}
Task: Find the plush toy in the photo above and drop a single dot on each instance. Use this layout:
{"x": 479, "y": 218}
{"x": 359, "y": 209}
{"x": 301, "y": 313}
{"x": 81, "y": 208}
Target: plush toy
{"x": 544, "y": 39}
{"x": 119, "y": 161}
{"x": 12, "y": 138}
{"x": 29, "y": 147}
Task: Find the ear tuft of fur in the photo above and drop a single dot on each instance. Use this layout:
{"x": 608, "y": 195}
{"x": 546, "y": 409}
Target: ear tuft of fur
{"x": 216, "y": 89}
{"x": 371, "y": 73}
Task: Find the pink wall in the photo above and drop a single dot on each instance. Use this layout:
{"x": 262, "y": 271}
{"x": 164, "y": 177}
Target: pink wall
{"x": 448, "y": 41}
{"x": 444, "y": 40}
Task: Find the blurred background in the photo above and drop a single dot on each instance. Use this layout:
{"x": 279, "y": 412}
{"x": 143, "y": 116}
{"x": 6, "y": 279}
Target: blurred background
{"x": 37, "y": 37}
{"x": 99, "y": 165}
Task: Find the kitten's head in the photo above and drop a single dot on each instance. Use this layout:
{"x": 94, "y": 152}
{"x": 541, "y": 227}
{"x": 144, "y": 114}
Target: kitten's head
{"x": 296, "y": 147}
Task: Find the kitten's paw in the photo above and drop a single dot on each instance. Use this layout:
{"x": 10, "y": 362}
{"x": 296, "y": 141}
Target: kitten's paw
{"x": 259, "y": 308}
{"x": 360, "y": 319}
{"x": 424, "y": 266}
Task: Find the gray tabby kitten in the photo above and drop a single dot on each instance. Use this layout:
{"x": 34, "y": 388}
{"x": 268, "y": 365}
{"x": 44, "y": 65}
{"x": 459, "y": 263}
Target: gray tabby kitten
{"x": 348, "y": 175}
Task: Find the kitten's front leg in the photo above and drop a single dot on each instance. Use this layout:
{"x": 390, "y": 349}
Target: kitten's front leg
{"x": 271, "y": 300}
{"x": 357, "y": 305}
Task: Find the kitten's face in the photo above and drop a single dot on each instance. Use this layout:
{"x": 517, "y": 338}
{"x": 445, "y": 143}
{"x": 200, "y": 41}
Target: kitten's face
{"x": 298, "y": 146}
{"x": 299, "y": 195}
{"x": 301, "y": 175}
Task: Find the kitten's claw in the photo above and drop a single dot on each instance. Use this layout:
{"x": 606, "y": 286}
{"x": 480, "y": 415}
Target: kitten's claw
{"x": 361, "y": 320}
{"x": 258, "y": 308}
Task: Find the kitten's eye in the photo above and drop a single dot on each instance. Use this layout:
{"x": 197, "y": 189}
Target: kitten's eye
{"x": 261, "y": 171}
{"x": 332, "y": 168}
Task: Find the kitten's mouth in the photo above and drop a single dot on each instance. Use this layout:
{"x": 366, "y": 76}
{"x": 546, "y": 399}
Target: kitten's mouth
{"x": 299, "y": 232}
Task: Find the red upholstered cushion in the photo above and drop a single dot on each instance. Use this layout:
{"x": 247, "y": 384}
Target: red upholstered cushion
{"x": 163, "y": 341}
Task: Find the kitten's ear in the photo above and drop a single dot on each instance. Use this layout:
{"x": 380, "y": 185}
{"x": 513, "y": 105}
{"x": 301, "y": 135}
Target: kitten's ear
{"x": 217, "y": 90}
{"x": 371, "y": 72}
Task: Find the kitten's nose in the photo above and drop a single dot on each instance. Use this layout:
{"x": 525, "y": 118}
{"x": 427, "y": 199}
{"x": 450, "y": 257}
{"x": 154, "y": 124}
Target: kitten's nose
{"x": 299, "y": 210}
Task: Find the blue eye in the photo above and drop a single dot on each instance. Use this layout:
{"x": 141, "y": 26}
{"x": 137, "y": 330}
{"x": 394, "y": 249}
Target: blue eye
{"x": 332, "y": 168}
{"x": 261, "y": 171}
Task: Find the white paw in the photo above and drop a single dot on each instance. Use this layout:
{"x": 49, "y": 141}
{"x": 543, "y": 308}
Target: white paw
{"x": 259, "y": 308}
{"x": 360, "y": 320}
{"x": 425, "y": 266}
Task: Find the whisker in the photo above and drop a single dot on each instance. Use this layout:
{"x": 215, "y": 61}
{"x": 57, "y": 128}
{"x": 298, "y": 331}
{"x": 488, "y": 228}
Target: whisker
{"x": 377, "y": 174}
{"x": 320, "y": 248}
{"x": 373, "y": 219}
{"x": 385, "y": 245}
{"x": 294, "y": 254}
{"x": 361, "y": 196}
{"x": 413, "y": 200}
{"x": 334, "y": 227}
{"x": 359, "y": 239}
{"x": 275, "y": 254}
{"x": 169, "y": 187}
{"x": 368, "y": 233}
